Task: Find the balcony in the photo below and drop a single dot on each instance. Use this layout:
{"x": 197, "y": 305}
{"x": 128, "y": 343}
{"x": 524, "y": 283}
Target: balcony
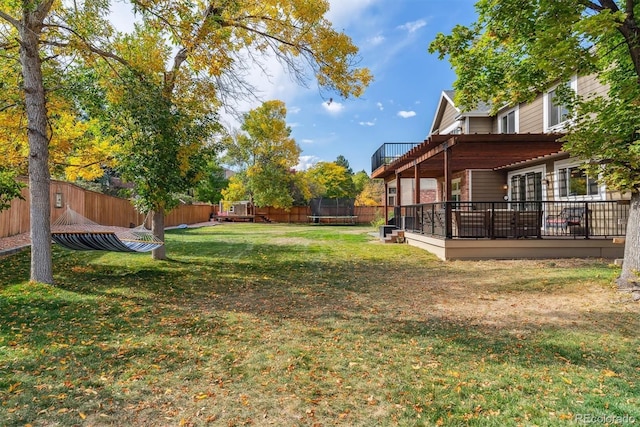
{"x": 389, "y": 152}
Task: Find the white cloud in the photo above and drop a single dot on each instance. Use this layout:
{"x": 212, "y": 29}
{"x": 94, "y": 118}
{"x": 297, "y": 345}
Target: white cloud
{"x": 406, "y": 114}
{"x": 305, "y": 162}
{"x": 307, "y": 141}
{"x": 293, "y": 110}
{"x": 380, "y": 106}
{"x": 414, "y": 26}
{"x": 376, "y": 40}
{"x": 333, "y": 107}
{"x": 373, "y": 123}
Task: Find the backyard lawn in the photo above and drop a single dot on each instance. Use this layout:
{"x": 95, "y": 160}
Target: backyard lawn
{"x": 254, "y": 324}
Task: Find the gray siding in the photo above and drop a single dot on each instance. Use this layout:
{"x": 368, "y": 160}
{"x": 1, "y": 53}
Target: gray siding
{"x": 531, "y": 116}
{"x": 487, "y": 185}
{"x": 590, "y": 85}
{"x": 448, "y": 117}
{"x": 480, "y": 124}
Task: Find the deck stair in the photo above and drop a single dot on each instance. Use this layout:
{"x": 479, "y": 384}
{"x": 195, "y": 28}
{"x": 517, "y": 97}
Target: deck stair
{"x": 396, "y": 236}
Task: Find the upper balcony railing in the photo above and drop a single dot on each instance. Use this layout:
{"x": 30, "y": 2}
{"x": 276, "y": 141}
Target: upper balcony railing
{"x": 389, "y": 152}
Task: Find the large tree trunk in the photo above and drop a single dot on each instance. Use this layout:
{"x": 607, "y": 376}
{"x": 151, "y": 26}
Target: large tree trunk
{"x": 629, "y": 279}
{"x": 39, "y": 178}
{"x": 157, "y": 228}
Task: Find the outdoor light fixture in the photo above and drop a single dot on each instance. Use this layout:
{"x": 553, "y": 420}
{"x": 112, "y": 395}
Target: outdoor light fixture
{"x": 58, "y": 200}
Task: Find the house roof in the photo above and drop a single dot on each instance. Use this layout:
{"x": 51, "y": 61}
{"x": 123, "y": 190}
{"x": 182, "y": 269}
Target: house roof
{"x": 471, "y": 151}
{"x": 483, "y": 109}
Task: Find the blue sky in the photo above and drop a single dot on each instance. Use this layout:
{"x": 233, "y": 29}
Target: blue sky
{"x": 393, "y": 37}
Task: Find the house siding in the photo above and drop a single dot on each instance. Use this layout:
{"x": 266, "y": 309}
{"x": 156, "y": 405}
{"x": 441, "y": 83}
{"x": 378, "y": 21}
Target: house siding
{"x": 487, "y": 185}
{"x": 448, "y": 117}
{"x": 591, "y": 85}
{"x": 481, "y": 124}
{"x": 531, "y": 120}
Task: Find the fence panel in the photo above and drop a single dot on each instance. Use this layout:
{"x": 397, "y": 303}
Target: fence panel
{"x": 15, "y": 220}
{"x": 109, "y": 210}
{"x": 188, "y": 214}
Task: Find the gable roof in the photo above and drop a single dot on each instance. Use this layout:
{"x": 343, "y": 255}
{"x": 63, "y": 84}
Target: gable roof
{"x": 483, "y": 109}
{"x": 446, "y": 98}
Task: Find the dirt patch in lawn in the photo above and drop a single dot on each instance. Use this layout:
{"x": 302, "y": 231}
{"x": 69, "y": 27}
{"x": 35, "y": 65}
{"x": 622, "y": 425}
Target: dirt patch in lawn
{"x": 517, "y": 296}
{"x": 513, "y": 295}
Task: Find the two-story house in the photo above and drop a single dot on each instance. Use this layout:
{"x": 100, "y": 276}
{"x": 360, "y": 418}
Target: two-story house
{"x": 504, "y": 187}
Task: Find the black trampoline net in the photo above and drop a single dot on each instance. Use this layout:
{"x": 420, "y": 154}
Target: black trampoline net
{"x": 332, "y": 207}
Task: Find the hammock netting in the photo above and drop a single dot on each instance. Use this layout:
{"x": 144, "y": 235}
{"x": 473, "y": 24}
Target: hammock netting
{"x": 73, "y": 231}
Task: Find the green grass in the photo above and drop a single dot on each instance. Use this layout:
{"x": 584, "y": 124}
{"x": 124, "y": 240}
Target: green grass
{"x": 250, "y": 324}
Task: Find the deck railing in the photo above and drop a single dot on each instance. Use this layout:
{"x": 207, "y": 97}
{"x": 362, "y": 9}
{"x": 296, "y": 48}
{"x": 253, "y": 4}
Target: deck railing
{"x": 389, "y": 152}
{"x": 503, "y": 219}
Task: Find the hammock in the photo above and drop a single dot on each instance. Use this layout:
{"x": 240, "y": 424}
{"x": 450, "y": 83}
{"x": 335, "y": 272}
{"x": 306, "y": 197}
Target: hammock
{"x": 73, "y": 231}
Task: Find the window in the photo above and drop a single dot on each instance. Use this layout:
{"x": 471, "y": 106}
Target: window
{"x": 508, "y": 122}
{"x": 526, "y": 187}
{"x": 573, "y": 181}
{"x": 391, "y": 199}
{"x": 557, "y": 113}
{"x": 456, "y": 189}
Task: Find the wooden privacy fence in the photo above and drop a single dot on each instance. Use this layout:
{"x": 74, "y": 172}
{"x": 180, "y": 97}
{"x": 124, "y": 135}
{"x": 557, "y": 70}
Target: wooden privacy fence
{"x": 109, "y": 210}
{"x": 300, "y": 214}
{"x": 98, "y": 207}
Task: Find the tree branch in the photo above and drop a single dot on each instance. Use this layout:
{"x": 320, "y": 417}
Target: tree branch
{"x": 593, "y": 6}
{"x": 10, "y": 19}
{"x": 8, "y": 106}
{"x": 90, "y": 46}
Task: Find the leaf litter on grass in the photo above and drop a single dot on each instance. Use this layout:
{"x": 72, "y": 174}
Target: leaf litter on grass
{"x": 295, "y": 325}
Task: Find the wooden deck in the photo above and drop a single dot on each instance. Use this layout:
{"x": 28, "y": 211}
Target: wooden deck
{"x": 557, "y": 247}
{"x": 323, "y": 219}
{"x": 234, "y": 218}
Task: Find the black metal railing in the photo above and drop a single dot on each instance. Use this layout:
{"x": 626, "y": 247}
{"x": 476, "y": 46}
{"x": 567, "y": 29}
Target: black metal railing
{"x": 389, "y": 152}
{"x": 503, "y": 219}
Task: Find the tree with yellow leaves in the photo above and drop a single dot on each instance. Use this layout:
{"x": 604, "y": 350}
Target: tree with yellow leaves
{"x": 212, "y": 41}
{"x": 265, "y": 155}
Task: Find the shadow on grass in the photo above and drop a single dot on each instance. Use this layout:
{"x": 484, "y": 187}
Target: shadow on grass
{"x": 121, "y": 328}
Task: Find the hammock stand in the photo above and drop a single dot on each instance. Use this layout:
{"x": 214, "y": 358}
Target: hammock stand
{"x": 73, "y": 231}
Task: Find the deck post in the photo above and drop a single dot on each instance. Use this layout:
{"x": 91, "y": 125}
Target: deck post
{"x": 448, "y": 217}
{"x": 386, "y": 202}
{"x": 416, "y": 175}
{"x": 397, "y": 210}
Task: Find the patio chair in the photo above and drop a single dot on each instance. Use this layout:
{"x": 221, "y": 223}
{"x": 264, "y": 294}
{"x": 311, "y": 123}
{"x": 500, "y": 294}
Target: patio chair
{"x": 472, "y": 223}
{"x": 569, "y": 219}
{"x": 528, "y": 223}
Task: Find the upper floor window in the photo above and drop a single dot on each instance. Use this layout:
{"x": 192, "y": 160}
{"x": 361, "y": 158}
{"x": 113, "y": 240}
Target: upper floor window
{"x": 555, "y": 113}
{"x": 558, "y": 113}
{"x": 508, "y": 122}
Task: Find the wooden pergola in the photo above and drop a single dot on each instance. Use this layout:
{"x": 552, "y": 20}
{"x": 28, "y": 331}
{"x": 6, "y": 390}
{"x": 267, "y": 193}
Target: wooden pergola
{"x": 444, "y": 155}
